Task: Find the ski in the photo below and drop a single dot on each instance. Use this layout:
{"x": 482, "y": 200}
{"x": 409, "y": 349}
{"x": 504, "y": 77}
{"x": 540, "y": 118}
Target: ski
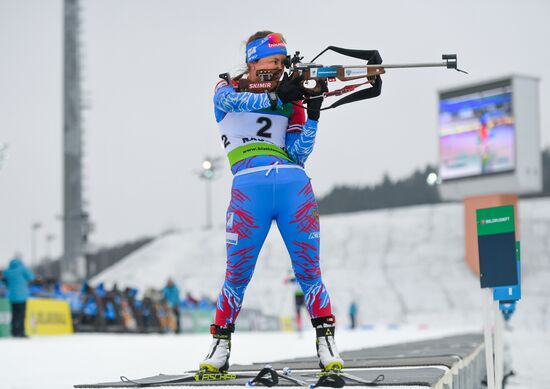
{"x": 188, "y": 378}
{"x": 376, "y": 381}
{"x": 337, "y": 379}
{"x": 287, "y": 375}
{"x": 221, "y": 376}
{"x": 267, "y": 376}
{"x": 274, "y": 376}
{"x": 329, "y": 378}
{"x": 324, "y": 379}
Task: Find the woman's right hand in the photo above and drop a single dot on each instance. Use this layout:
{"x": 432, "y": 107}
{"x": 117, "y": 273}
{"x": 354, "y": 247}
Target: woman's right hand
{"x": 289, "y": 89}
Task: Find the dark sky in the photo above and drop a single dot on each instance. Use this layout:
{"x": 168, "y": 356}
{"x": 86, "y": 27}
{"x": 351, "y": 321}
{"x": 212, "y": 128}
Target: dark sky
{"x": 149, "y": 68}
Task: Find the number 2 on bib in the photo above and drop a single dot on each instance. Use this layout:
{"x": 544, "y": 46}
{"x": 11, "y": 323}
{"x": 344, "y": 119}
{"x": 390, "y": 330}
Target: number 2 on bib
{"x": 266, "y": 126}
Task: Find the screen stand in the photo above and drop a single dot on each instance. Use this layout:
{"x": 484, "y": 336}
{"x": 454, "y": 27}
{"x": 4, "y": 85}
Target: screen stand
{"x": 488, "y": 335}
{"x": 493, "y": 332}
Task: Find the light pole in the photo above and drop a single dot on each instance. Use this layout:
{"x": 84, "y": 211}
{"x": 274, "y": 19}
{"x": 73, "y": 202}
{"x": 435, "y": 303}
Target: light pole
{"x": 49, "y": 239}
{"x": 3, "y": 153}
{"x": 208, "y": 173}
{"x": 34, "y": 228}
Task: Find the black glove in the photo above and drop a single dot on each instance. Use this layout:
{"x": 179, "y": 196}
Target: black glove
{"x": 314, "y": 107}
{"x": 315, "y": 101}
{"x": 289, "y": 90}
{"x": 376, "y": 59}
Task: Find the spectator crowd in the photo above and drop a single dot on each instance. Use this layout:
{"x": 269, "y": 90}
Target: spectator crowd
{"x": 98, "y": 309}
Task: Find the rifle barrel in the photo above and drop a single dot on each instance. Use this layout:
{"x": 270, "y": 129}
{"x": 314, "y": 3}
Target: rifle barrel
{"x": 411, "y": 65}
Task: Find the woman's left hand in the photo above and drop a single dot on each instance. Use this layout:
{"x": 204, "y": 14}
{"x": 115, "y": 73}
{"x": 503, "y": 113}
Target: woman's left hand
{"x": 315, "y": 101}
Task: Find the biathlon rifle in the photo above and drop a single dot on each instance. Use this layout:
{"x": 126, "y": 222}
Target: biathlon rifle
{"x": 315, "y": 76}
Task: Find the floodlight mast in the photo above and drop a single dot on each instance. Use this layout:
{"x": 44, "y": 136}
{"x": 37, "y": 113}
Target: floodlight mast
{"x": 73, "y": 267}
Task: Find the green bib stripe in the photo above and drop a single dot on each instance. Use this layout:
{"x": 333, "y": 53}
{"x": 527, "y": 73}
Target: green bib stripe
{"x": 254, "y": 149}
{"x": 284, "y": 110}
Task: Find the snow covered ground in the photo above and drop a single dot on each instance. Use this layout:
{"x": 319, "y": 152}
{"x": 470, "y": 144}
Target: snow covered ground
{"x": 60, "y": 362}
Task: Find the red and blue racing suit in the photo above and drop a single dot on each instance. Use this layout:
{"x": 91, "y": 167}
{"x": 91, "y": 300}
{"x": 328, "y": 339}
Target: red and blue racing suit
{"x": 267, "y": 150}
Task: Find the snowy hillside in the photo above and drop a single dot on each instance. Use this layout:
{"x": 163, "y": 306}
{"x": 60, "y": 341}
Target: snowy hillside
{"x": 401, "y": 266}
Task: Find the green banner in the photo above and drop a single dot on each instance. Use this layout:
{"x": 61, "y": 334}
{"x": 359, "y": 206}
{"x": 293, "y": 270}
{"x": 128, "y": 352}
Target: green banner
{"x": 496, "y": 220}
{"x": 5, "y": 318}
{"x": 496, "y": 239}
{"x": 196, "y": 320}
{"x": 202, "y": 320}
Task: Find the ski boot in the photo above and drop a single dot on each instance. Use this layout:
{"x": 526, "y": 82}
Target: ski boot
{"x": 329, "y": 358}
{"x": 217, "y": 359}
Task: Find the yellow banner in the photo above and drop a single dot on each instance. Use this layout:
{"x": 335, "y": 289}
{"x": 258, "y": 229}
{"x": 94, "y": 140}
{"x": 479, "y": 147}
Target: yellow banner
{"x": 287, "y": 324}
{"x": 48, "y": 317}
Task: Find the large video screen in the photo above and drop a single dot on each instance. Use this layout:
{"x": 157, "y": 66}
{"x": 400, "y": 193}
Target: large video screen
{"x": 476, "y": 132}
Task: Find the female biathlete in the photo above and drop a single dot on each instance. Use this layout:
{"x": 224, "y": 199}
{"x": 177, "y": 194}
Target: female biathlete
{"x": 267, "y": 140}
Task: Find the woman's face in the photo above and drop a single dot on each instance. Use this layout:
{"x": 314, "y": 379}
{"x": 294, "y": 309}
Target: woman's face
{"x": 268, "y": 63}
